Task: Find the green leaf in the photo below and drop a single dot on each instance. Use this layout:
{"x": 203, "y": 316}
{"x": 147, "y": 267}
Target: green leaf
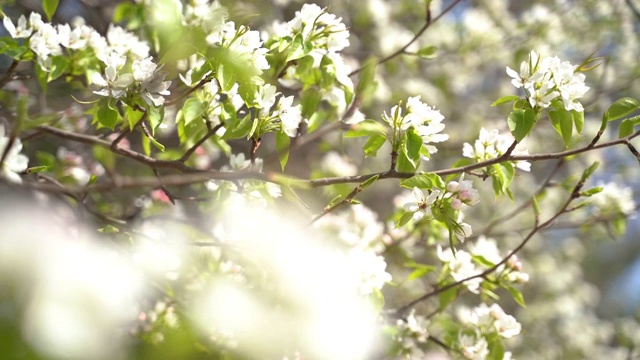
{"x": 241, "y": 129}
{"x": 505, "y": 99}
{"x": 562, "y": 121}
{"x": 133, "y": 116}
{"x": 521, "y": 123}
{"x": 49, "y": 7}
{"x": 621, "y": 108}
{"x": 427, "y": 52}
{"x": 37, "y": 169}
{"x": 578, "y": 120}
{"x": 591, "y": 192}
{"x": 404, "y": 165}
{"x": 517, "y": 296}
{"x": 366, "y": 128}
{"x": 193, "y": 109}
{"x": 447, "y": 297}
{"x": 503, "y": 173}
{"x": 365, "y": 184}
{"x": 59, "y": 66}
{"x": 406, "y": 216}
{"x": 107, "y": 114}
{"x": 420, "y": 271}
{"x": 627, "y": 125}
{"x": 367, "y": 83}
{"x": 232, "y": 67}
{"x": 155, "y": 115}
{"x": 282, "y": 147}
{"x": 589, "y": 171}
{"x": 412, "y": 145}
{"x": 521, "y": 104}
{"x": 483, "y": 261}
{"x": 373, "y": 144}
{"x": 424, "y": 181}
{"x": 496, "y": 349}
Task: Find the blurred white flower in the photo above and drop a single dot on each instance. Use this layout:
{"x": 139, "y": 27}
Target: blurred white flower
{"x": 491, "y": 145}
{"x": 614, "y": 199}
{"x": 14, "y": 163}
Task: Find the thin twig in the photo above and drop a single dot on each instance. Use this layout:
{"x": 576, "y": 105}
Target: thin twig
{"x": 9, "y": 74}
{"x": 424, "y": 28}
{"x": 195, "y": 146}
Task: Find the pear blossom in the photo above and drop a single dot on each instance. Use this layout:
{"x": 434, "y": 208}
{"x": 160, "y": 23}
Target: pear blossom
{"x": 614, "y": 199}
{"x": 426, "y": 121}
{"x": 290, "y": 116}
{"x": 491, "y": 145}
{"x": 412, "y": 331}
{"x": 547, "y": 79}
{"x": 14, "y": 162}
{"x": 152, "y": 84}
{"x": 461, "y": 267}
{"x": 421, "y": 207}
{"x": 112, "y": 83}
{"x": 22, "y": 31}
{"x": 473, "y": 347}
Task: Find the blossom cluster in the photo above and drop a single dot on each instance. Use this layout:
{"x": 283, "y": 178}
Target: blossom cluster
{"x": 614, "y": 200}
{"x": 482, "y": 321}
{"x": 359, "y": 232}
{"x": 482, "y": 253}
{"x": 453, "y": 198}
{"x": 547, "y": 79}
{"x": 491, "y": 145}
{"x": 145, "y": 79}
{"x": 411, "y": 332}
{"x": 422, "y": 118}
{"x": 324, "y": 35}
{"x": 46, "y": 40}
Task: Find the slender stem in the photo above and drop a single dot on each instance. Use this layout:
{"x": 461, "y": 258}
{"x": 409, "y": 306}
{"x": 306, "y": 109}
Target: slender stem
{"x": 9, "y": 74}
{"x": 424, "y": 28}
{"x": 198, "y": 143}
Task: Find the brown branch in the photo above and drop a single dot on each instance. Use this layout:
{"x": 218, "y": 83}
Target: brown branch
{"x": 467, "y": 168}
{"x": 94, "y": 140}
{"x": 525, "y": 204}
{"x": 195, "y": 146}
{"x": 9, "y": 74}
{"x": 200, "y": 84}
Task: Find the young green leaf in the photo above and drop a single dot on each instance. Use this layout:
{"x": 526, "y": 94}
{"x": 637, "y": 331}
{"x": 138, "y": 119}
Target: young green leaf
{"x": 627, "y": 125}
{"x": 50, "y": 7}
{"x": 505, "y": 99}
{"x": 427, "y": 52}
{"x": 282, "y": 147}
{"x": 562, "y": 121}
{"x": 521, "y": 123}
{"x": 621, "y": 108}
{"x": 517, "y": 296}
{"x": 373, "y": 144}
{"x": 424, "y": 181}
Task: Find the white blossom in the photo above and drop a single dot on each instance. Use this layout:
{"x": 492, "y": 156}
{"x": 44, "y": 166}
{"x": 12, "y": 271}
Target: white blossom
{"x": 14, "y": 163}
{"x": 492, "y": 144}
{"x": 290, "y": 116}
{"x": 547, "y": 79}
{"x": 614, "y": 199}
{"x": 421, "y": 207}
{"x": 152, "y": 84}
{"x": 21, "y": 31}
